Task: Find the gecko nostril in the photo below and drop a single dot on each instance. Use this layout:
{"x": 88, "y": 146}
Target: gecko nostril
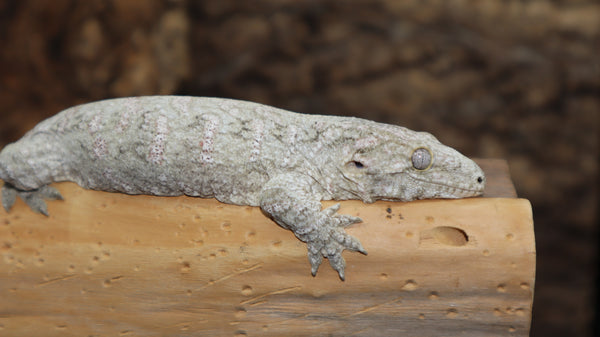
{"x": 480, "y": 179}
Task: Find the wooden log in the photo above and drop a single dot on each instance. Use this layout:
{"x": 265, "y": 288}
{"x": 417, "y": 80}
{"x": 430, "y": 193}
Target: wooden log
{"x": 108, "y": 264}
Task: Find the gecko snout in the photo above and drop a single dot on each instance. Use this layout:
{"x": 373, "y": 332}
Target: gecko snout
{"x": 480, "y": 182}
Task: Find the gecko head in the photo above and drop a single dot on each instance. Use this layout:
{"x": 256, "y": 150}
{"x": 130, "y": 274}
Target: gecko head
{"x": 410, "y": 165}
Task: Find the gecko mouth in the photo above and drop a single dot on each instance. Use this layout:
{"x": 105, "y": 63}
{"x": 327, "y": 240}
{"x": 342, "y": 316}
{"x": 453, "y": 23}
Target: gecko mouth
{"x": 453, "y": 189}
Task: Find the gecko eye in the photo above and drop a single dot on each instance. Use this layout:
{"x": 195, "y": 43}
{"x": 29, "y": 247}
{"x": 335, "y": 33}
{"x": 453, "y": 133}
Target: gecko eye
{"x": 422, "y": 159}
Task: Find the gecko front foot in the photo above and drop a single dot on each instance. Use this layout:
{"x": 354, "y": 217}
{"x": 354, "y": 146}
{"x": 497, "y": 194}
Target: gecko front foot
{"x": 35, "y": 199}
{"x": 329, "y": 240}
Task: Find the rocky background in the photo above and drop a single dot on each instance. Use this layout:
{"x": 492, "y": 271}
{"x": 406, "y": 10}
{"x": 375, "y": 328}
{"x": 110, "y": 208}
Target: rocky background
{"x": 518, "y": 80}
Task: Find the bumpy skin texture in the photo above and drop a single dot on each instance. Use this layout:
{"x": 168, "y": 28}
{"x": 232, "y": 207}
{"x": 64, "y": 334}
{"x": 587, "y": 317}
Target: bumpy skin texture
{"x": 240, "y": 153}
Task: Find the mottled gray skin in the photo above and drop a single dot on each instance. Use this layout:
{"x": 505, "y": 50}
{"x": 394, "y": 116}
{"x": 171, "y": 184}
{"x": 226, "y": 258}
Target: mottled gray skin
{"x": 240, "y": 153}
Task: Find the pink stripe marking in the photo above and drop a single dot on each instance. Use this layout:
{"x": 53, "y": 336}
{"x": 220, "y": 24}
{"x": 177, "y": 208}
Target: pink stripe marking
{"x": 99, "y": 148}
{"x": 258, "y": 128}
{"x": 157, "y": 149}
{"x": 131, "y": 107}
{"x": 207, "y": 142}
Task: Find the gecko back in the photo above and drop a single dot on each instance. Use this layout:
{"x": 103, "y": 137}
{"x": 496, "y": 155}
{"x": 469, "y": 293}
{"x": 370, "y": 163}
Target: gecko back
{"x": 158, "y": 145}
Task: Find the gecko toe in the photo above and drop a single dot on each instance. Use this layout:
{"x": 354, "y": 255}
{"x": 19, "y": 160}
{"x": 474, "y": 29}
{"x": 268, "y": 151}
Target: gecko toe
{"x": 347, "y": 241}
{"x": 353, "y": 219}
{"x": 338, "y": 263}
{"x": 315, "y": 258}
{"x": 50, "y": 193}
{"x": 362, "y": 250}
{"x": 35, "y": 201}
{"x": 9, "y": 196}
{"x": 346, "y": 220}
{"x": 356, "y": 246}
{"x": 330, "y": 211}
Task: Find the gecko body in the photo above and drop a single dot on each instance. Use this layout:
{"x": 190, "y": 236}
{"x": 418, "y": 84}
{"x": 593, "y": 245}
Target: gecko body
{"x": 240, "y": 153}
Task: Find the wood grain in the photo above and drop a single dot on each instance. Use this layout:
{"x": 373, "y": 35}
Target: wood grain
{"x": 107, "y": 264}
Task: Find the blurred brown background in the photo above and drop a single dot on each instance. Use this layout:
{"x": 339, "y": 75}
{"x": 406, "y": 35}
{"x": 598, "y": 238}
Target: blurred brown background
{"x": 518, "y": 80}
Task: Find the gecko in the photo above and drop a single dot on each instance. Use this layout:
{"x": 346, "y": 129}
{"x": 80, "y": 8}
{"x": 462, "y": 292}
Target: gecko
{"x": 240, "y": 153}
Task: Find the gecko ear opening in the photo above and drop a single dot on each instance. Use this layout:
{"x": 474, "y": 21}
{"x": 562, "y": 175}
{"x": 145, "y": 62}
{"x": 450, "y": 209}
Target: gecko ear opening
{"x": 354, "y": 164}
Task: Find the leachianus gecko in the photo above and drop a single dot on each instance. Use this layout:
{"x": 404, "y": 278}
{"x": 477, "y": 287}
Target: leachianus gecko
{"x": 240, "y": 153}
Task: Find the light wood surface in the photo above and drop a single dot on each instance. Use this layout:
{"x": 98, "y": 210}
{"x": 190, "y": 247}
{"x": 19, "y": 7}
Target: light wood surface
{"x": 108, "y": 264}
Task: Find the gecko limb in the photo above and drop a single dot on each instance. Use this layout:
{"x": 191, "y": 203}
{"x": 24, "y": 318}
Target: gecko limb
{"x": 330, "y": 240}
{"x": 35, "y": 199}
{"x": 289, "y": 202}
